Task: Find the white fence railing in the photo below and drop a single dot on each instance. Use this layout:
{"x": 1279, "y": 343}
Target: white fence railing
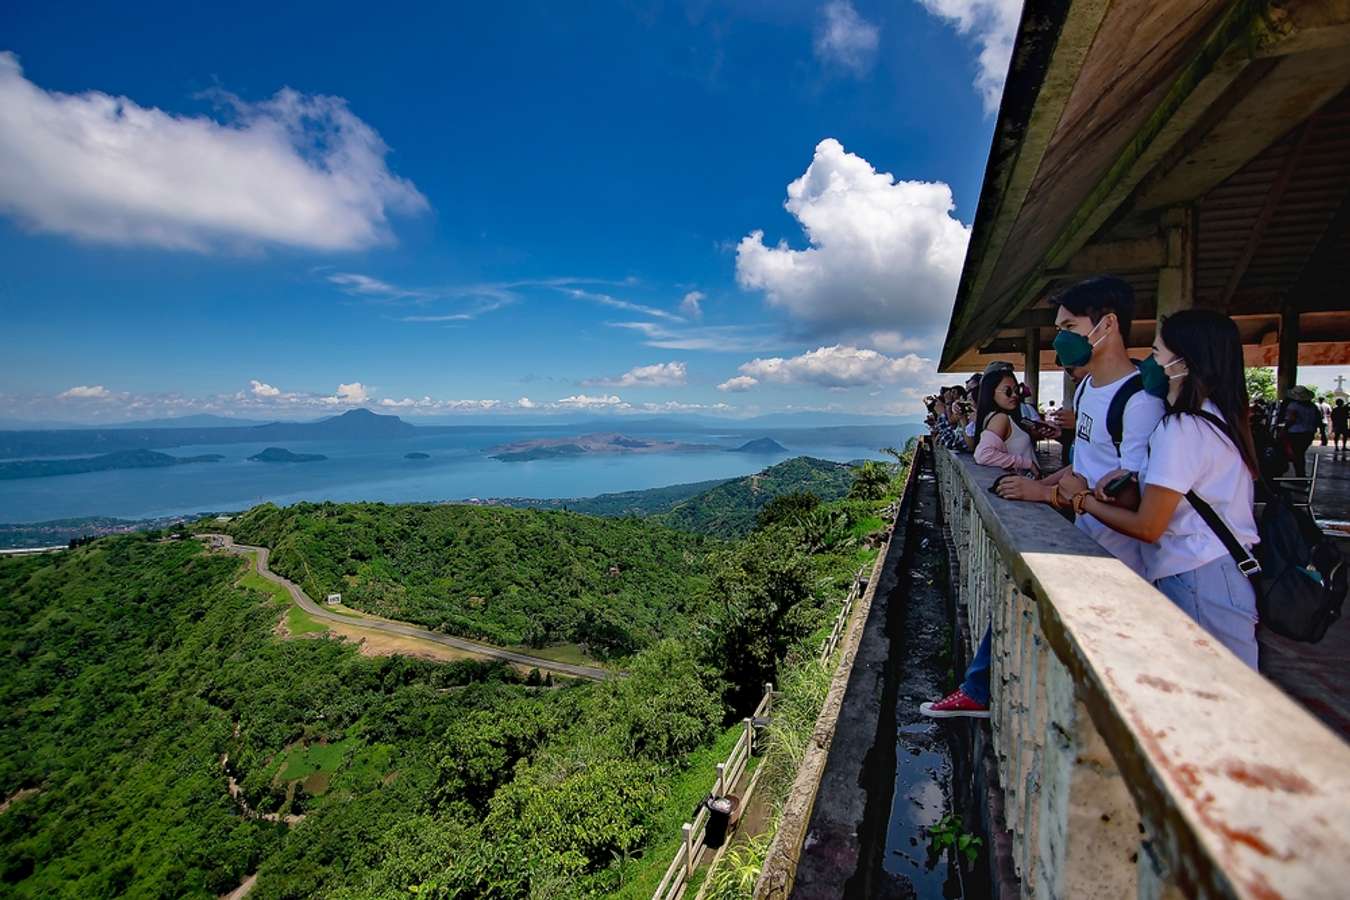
{"x": 855, "y": 591}
{"x": 729, "y": 773}
{"x": 1136, "y": 756}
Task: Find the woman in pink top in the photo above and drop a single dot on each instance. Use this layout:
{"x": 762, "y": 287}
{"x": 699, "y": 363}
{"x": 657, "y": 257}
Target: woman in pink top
{"x": 1001, "y": 438}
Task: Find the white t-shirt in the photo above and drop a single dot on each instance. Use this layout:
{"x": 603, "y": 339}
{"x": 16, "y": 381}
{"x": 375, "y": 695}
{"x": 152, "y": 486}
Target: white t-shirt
{"x": 1094, "y": 455}
{"x": 1187, "y": 453}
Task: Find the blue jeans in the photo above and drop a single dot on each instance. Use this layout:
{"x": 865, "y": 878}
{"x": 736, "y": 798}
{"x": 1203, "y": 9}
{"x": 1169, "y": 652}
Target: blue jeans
{"x": 1221, "y": 600}
{"x": 976, "y": 685}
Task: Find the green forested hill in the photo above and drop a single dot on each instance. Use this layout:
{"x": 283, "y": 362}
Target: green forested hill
{"x": 130, "y": 670}
{"x": 138, "y": 679}
{"x": 729, "y": 509}
{"x": 504, "y": 575}
{"x": 647, "y": 502}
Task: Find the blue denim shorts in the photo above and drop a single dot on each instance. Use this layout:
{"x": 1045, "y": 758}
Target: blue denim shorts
{"x": 1221, "y": 600}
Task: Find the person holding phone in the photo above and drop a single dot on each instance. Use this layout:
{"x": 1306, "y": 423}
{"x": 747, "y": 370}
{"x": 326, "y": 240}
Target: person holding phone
{"x": 1001, "y": 438}
{"x": 1203, "y": 445}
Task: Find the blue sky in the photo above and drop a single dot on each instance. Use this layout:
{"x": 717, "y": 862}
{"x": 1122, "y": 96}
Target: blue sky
{"x": 456, "y": 208}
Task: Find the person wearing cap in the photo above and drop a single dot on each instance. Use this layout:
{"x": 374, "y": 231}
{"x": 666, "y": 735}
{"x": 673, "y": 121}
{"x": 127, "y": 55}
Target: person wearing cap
{"x": 1302, "y": 419}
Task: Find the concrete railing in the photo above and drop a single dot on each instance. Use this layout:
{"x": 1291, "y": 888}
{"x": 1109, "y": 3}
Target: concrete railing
{"x": 1137, "y": 756}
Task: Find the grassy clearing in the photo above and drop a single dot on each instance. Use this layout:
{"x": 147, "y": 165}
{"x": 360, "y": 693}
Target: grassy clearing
{"x": 563, "y": 653}
{"x": 299, "y": 622}
{"x": 302, "y": 763}
{"x": 684, "y": 791}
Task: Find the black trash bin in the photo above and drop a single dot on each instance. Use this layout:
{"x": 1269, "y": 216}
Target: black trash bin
{"x": 721, "y": 813}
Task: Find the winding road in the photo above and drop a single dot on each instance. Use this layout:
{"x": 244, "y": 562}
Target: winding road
{"x": 403, "y": 629}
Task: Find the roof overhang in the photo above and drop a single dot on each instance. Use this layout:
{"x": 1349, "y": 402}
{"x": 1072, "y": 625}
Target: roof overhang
{"x": 1123, "y": 119}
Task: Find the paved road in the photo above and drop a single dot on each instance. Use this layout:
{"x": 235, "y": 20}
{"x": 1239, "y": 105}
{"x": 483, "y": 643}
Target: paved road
{"x": 225, "y": 542}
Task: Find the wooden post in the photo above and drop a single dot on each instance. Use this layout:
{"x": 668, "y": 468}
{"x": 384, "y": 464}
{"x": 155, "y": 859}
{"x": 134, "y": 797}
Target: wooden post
{"x": 1287, "y": 374}
{"x": 749, "y": 737}
{"x": 721, "y": 779}
{"x": 688, "y": 830}
{"x": 1176, "y": 279}
{"x": 1032, "y": 364}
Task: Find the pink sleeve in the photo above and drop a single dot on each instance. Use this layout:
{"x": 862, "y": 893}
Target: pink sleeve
{"x": 993, "y": 452}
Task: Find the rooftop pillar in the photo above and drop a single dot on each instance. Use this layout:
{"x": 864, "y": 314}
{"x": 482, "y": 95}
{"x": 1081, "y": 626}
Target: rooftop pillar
{"x": 1176, "y": 279}
{"x": 1286, "y": 375}
{"x": 1032, "y": 363}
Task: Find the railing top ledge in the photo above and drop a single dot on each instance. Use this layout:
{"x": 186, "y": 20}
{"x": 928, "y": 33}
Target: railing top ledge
{"x": 1249, "y": 789}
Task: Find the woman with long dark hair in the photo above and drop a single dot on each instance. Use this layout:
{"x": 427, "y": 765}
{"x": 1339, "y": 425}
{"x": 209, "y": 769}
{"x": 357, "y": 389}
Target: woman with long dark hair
{"x": 1203, "y": 444}
{"x": 1001, "y": 439}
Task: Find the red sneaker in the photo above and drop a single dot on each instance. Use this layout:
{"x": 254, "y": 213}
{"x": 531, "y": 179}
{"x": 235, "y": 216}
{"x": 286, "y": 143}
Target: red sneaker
{"x": 954, "y": 705}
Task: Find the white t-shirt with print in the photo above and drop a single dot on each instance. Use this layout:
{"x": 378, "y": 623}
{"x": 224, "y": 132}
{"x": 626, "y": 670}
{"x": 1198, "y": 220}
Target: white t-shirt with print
{"x": 1188, "y": 453}
{"x": 1094, "y": 455}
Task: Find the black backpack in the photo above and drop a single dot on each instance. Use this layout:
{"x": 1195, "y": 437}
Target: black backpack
{"x": 1298, "y": 573}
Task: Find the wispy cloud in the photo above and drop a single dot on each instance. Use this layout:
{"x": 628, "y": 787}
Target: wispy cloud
{"x": 725, "y": 338}
{"x": 616, "y": 303}
{"x": 297, "y": 170}
{"x": 846, "y": 39}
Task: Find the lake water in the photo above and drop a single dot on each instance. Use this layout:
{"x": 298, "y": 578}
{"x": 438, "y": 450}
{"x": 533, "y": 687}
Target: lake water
{"x": 459, "y": 468}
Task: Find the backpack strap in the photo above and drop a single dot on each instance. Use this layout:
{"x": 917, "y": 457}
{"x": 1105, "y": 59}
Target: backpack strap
{"x": 1115, "y": 413}
{"x": 1246, "y": 563}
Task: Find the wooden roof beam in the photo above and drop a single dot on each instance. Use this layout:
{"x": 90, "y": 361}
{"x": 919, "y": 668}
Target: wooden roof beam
{"x": 1272, "y": 202}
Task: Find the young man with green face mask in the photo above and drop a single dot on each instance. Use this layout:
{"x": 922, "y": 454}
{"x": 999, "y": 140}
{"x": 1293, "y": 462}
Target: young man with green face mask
{"x": 1093, "y": 318}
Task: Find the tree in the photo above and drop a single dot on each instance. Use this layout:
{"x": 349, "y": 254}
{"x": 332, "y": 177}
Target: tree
{"x": 1261, "y": 383}
{"x": 759, "y": 589}
{"x": 870, "y": 481}
{"x": 786, "y": 509}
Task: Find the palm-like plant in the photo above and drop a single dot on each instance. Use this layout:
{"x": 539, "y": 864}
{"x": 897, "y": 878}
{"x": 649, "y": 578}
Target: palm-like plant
{"x": 870, "y": 481}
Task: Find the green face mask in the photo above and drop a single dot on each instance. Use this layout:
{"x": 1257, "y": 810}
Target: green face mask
{"x": 1073, "y": 350}
{"x": 1154, "y": 376}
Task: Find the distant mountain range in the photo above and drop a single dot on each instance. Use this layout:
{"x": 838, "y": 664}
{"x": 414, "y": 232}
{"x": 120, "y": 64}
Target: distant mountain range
{"x": 608, "y": 442}
{"x": 357, "y": 424}
{"x": 120, "y": 459}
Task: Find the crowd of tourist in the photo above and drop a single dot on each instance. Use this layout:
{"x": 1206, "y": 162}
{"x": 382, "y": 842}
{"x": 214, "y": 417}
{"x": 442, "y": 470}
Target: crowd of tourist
{"x": 1158, "y": 450}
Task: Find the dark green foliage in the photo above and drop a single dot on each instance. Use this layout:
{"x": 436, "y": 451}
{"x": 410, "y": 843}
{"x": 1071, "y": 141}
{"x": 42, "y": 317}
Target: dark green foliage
{"x": 729, "y": 510}
{"x": 872, "y": 481}
{"x": 786, "y": 509}
{"x": 760, "y": 588}
{"x": 502, "y": 575}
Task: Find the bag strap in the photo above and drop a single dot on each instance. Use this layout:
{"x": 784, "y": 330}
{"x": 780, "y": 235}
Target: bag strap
{"x": 1115, "y": 413}
{"x": 1246, "y": 563}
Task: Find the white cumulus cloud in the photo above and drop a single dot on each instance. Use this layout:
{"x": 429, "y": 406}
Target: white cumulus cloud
{"x": 85, "y": 392}
{"x": 690, "y": 305}
{"x": 261, "y": 389}
{"x": 838, "y": 367}
{"x": 738, "y": 384}
{"x": 583, "y": 401}
{"x": 298, "y": 170}
{"x": 993, "y": 25}
{"x": 354, "y": 393}
{"x": 845, "y": 38}
{"x": 671, "y": 374}
{"x": 882, "y": 254}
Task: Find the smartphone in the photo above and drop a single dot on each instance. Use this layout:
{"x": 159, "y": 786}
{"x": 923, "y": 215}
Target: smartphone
{"x": 1117, "y": 484}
